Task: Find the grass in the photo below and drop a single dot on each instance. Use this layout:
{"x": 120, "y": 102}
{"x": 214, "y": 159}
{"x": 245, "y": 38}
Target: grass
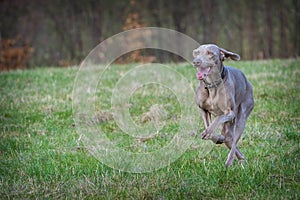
{"x": 42, "y": 155}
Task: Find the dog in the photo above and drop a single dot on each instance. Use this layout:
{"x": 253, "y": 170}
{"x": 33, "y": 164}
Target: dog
{"x": 225, "y": 93}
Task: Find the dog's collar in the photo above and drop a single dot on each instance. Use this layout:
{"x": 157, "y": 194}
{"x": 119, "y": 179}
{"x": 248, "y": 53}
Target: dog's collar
{"x": 216, "y": 83}
{"x": 223, "y": 73}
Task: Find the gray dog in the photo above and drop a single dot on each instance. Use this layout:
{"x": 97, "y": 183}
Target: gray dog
{"x": 225, "y": 93}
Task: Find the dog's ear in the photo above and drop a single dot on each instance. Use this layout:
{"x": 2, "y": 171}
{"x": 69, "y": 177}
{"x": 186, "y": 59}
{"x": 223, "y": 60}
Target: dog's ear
{"x": 225, "y": 54}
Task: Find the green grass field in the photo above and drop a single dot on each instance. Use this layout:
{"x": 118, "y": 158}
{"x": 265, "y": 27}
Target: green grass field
{"x": 42, "y": 155}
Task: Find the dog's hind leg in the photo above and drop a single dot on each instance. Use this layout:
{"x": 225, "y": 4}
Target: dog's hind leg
{"x": 230, "y": 142}
{"x": 244, "y": 111}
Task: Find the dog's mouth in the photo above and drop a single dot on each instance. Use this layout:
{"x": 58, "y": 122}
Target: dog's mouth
{"x": 202, "y": 72}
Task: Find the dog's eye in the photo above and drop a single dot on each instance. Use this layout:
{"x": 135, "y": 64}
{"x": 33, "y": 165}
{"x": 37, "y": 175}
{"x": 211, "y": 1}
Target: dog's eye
{"x": 209, "y": 53}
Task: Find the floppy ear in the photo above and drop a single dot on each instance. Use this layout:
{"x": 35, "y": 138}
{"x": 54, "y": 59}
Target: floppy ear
{"x": 225, "y": 54}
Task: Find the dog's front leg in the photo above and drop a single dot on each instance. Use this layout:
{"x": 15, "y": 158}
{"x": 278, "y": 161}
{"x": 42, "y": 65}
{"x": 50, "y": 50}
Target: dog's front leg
{"x": 206, "y": 117}
{"x": 209, "y": 132}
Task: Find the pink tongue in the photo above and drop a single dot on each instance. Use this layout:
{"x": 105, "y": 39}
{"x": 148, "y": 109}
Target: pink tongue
{"x": 199, "y": 75}
{"x": 202, "y": 73}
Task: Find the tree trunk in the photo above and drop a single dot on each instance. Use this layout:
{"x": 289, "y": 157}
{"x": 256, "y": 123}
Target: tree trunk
{"x": 269, "y": 28}
{"x": 296, "y": 37}
{"x": 283, "y": 50}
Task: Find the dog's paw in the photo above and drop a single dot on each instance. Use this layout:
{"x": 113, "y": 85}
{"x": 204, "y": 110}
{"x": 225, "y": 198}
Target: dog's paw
{"x": 221, "y": 140}
{"x": 241, "y": 163}
{"x": 228, "y": 163}
{"x": 230, "y": 159}
{"x": 204, "y": 135}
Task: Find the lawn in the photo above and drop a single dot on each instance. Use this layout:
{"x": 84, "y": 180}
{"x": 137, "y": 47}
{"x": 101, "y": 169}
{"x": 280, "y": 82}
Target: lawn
{"x": 42, "y": 154}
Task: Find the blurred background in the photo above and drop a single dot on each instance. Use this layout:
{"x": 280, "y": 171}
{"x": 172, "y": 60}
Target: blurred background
{"x": 39, "y": 33}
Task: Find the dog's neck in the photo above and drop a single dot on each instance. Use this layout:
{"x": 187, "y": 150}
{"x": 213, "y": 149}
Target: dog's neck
{"x": 223, "y": 72}
{"x": 215, "y": 79}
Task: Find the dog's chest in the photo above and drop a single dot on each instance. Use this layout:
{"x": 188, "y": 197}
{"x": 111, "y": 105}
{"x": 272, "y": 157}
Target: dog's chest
{"x": 210, "y": 101}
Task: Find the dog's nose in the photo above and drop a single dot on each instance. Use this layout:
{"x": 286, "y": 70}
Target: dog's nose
{"x": 197, "y": 62}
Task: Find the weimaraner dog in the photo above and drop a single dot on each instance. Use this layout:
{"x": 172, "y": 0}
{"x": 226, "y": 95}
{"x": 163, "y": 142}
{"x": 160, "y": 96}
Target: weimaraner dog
{"x": 225, "y": 93}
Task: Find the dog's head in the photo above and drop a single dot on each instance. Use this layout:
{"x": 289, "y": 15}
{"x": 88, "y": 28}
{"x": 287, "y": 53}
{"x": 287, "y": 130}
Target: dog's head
{"x": 208, "y": 59}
